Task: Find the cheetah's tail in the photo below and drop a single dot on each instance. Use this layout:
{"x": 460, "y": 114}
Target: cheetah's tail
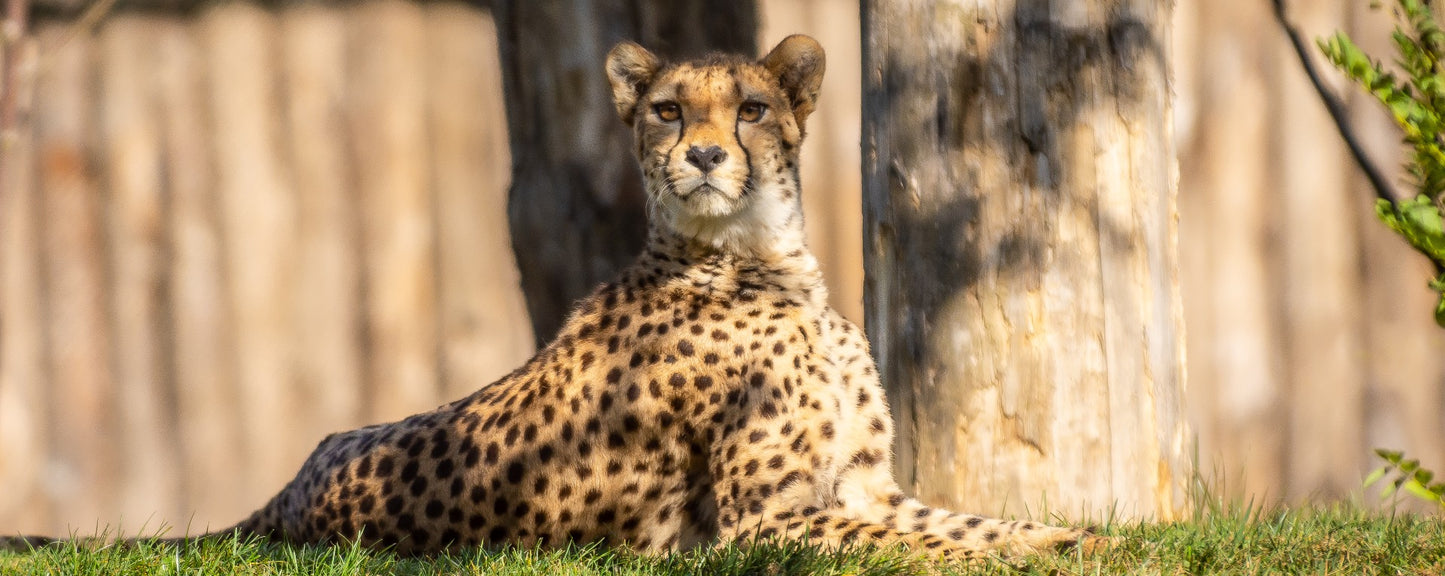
{"x": 24, "y": 543}
{"x": 255, "y": 525}
{"x": 261, "y": 523}
{"x": 28, "y": 543}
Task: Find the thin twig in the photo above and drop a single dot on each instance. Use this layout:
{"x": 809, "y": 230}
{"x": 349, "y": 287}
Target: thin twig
{"x": 88, "y": 21}
{"x": 1383, "y": 189}
{"x": 84, "y": 25}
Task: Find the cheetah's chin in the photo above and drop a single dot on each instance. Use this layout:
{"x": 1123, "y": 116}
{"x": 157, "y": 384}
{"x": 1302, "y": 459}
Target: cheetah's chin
{"x": 703, "y": 189}
{"x": 706, "y": 201}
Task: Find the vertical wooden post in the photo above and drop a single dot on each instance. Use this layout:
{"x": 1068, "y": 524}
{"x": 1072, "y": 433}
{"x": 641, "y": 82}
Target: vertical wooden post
{"x": 204, "y": 366}
{"x": 83, "y": 401}
{"x": 832, "y": 195}
{"x": 23, "y": 419}
{"x": 1022, "y": 290}
{"x": 1234, "y": 344}
{"x": 130, "y": 133}
{"x": 388, "y": 125}
{"x": 326, "y": 316}
{"x": 576, "y": 202}
{"x": 258, "y": 215}
{"x": 14, "y": 28}
{"x": 485, "y": 332}
{"x": 1326, "y": 452}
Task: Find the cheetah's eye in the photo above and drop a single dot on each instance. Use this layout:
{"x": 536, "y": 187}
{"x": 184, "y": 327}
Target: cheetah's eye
{"x": 667, "y": 111}
{"x": 751, "y": 111}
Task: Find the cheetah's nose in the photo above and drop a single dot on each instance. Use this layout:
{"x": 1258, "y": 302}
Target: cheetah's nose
{"x": 706, "y": 158}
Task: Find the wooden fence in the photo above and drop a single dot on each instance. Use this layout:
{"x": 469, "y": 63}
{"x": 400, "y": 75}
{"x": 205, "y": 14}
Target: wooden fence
{"x": 242, "y": 230}
{"x": 1310, "y": 339}
{"x": 232, "y": 231}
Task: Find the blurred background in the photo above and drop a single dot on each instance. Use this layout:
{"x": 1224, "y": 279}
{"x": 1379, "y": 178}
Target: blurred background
{"x": 233, "y": 228}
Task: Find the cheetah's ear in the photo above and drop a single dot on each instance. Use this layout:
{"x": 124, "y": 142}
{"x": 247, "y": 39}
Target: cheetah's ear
{"x": 798, "y": 64}
{"x": 630, "y": 68}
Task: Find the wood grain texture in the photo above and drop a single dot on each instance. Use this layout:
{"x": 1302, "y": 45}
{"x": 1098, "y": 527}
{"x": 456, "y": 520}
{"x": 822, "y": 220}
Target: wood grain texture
{"x": 200, "y": 326}
{"x": 1238, "y": 343}
{"x": 387, "y": 80}
{"x": 485, "y": 332}
{"x": 325, "y": 317}
{"x": 1022, "y": 291}
{"x": 265, "y": 307}
{"x": 832, "y": 191}
{"x": 1321, "y": 283}
{"x": 258, "y": 216}
{"x": 23, "y": 378}
{"x": 85, "y": 426}
{"x": 133, "y": 146}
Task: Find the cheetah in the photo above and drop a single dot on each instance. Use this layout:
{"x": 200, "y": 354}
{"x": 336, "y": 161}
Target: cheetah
{"x": 708, "y": 394}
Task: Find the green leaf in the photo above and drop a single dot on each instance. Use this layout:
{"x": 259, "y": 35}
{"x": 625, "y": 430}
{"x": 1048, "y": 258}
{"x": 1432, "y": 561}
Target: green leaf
{"x": 1424, "y": 217}
{"x": 1375, "y": 476}
{"x": 1419, "y": 221}
{"x": 1416, "y": 100}
{"x": 1417, "y": 490}
{"x": 1440, "y": 312}
{"x": 1391, "y": 456}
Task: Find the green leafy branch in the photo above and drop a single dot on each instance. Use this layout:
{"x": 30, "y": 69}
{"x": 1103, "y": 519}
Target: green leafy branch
{"x": 1408, "y": 475}
{"x": 1417, "y": 102}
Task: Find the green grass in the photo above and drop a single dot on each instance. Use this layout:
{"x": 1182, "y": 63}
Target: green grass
{"x": 1242, "y": 541}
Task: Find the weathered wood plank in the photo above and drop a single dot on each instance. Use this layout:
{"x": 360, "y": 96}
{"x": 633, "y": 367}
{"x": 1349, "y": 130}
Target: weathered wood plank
{"x": 201, "y": 329}
{"x": 85, "y": 430}
{"x": 1196, "y": 222}
{"x": 388, "y": 126}
{"x": 1230, "y": 189}
{"x": 485, "y": 332}
{"x": 131, "y": 143}
{"x": 71, "y": 9}
{"x": 1320, "y": 281}
{"x": 325, "y": 313}
{"x": 258, "y": 217}
{"x": 1138, "y": 215}
{"x": 24, "y": 504}
{"x": 832, "y": 195}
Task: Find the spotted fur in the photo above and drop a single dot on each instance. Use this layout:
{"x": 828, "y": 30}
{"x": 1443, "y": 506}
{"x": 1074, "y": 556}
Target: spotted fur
{"x": 708, "y": 394}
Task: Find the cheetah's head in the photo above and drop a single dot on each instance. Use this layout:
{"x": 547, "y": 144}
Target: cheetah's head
{"x": 718, "y": 138}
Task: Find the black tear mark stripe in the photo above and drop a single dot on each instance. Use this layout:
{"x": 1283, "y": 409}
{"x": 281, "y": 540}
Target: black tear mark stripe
{"x": 681, "y": 120}
{"x": 737, "y": 126}
{"x": 681, "y": 129}
{"x": 747, "y": 156}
